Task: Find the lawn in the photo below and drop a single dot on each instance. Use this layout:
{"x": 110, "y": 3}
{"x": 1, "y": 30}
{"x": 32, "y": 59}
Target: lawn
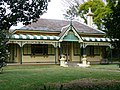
{"x": 35, "y": 77}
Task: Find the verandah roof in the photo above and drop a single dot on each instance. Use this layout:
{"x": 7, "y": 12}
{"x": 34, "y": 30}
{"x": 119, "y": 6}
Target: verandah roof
{"x": 33, "y": 37}
{"x": 41, "y": 37}
{"x": 97, "y": 39}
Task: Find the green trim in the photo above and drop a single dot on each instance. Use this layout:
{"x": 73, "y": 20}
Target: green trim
{"x": 33, "y": 37}
{"x": 66, "y": 36}
{"x": 70, "y": 37}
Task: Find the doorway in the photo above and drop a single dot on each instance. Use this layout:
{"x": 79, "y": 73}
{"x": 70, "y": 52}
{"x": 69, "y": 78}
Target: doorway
{"x": 66, "y": 49}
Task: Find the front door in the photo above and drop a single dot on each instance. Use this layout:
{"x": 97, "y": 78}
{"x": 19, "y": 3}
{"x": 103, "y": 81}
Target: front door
{"x": 66, "y": 49}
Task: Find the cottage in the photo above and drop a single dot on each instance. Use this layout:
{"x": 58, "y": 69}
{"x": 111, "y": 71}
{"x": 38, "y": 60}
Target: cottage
{"x": 46, "y": 39}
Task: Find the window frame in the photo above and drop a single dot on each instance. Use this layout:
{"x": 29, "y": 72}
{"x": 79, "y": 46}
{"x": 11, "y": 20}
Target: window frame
{"x": 92, "y": 51}
{"x": 76, "y": 46}
{"x": 27, "y": 46}
{"x": 51, "y": 49}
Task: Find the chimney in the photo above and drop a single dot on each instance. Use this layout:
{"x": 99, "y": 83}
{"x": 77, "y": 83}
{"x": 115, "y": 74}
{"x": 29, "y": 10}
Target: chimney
{"x": 90, "y": 18}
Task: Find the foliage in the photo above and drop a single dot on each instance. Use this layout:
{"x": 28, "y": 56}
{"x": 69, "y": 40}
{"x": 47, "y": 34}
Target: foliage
{"x": 87, "y": 84}
{"x": 72, "y": 8}
{"x": 112, "y": 22}
{"x": 14, "y": 11}
{"x": 3, "y": 46}
{"x": 81, "y": 9}
{"x": 98, "y": 8}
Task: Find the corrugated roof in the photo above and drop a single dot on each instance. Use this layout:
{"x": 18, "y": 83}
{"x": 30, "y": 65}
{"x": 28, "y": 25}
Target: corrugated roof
{"x": 53, "y": 25}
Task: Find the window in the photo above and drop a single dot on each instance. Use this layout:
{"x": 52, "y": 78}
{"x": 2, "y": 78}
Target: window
{"x": 93, "y": 50}
{"x": 96, "y": 50}
{"x": 90, "y": 50}
{"x": 40, "y": 49}
{"x": 65, "y": 48}
{"x": 51, "y": 50}
{"x": 76, "y": 48}
{"x": 15, "y": 50}
{"x": 27, "y": 49}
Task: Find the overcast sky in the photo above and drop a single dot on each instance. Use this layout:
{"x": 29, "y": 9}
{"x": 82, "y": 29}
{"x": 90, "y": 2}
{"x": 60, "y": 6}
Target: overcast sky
{"x": 55, "y": 10}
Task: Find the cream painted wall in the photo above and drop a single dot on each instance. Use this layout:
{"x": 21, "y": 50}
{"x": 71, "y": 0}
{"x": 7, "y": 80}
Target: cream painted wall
{"x": 95, "y": 59}
{"x": 52, "y": 59}
{"x": 76, "y": 58}
{"x": 38, "y": 59}
{"x": 29, "y": 58}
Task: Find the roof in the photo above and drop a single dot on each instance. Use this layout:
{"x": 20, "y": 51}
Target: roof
{"x": 52, "y": 25}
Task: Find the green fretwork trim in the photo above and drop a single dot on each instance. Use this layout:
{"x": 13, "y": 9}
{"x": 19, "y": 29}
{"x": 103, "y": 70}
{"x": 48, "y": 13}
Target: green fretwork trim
{"x": 70, "y": 37}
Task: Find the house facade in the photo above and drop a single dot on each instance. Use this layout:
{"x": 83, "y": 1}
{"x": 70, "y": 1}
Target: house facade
{"x": 47, "y": 39}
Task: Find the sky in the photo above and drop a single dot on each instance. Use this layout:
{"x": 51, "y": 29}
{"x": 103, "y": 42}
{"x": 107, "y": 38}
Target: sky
{"x": 55, "y": 10}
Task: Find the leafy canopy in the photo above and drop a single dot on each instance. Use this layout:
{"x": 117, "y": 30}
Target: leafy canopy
{"x": 98, "y": 8}
{"x": 14, "y": 11}
{"x": 112, "y": 21}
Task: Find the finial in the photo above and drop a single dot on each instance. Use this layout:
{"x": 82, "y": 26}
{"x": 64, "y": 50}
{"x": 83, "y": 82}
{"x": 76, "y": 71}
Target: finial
{"x": 89, "y": 12}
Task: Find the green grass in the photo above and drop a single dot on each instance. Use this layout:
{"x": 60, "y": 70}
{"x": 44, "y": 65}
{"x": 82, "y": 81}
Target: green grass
{"x": 35, "y": 77}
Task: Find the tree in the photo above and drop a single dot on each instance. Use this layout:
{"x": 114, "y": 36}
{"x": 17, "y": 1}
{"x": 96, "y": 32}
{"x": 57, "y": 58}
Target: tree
{"x": 14, "y": 11}
{"x": 72, "y": 7}
{"x": 98, "y": 8}
{"x": 112, "y": 22}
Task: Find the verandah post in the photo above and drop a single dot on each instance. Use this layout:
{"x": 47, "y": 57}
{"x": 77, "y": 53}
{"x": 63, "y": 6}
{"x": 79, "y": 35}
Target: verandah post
{"x": 20, "y": 54}
{"x": 55, "y": 53}
{"x": 80, "y": 53}
{"x": 111, "y": 55}
{"x": 84, "y": 49}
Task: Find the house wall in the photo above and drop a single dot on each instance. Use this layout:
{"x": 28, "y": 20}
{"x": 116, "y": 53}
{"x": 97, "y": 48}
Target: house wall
{"x": 92, "y": 60}
{"x": 14, "y": 53}
{"x": 30, "y": 58}
{"x": 38, "y": 58}
{"x": 15, "y": 56}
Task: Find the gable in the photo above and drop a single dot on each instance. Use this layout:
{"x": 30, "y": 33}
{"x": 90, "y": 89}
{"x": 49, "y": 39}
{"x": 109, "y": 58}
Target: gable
{"x": 70, "y": 34}
{"x": 70, "y": 37}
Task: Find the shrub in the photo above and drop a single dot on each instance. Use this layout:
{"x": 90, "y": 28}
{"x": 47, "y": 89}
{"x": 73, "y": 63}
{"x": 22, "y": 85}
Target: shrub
{"x": 87, "y": 84}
